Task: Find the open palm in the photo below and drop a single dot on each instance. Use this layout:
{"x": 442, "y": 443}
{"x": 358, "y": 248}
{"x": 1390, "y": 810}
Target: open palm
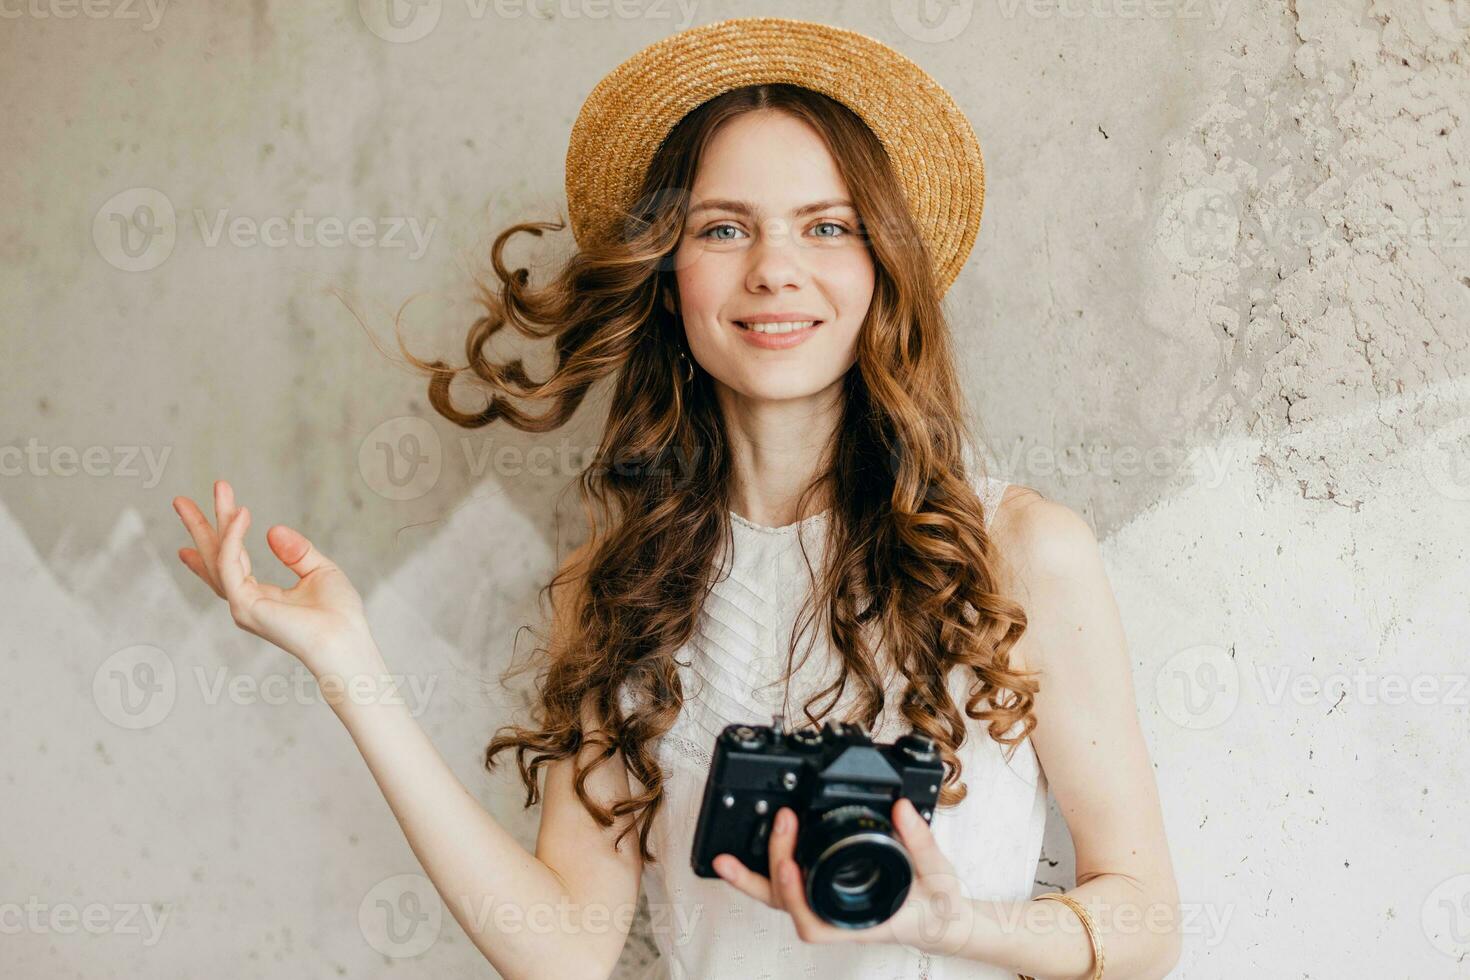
{"x": 311, "y": 620}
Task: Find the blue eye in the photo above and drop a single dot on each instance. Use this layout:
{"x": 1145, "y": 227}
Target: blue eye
{"x": 709, "y": 232}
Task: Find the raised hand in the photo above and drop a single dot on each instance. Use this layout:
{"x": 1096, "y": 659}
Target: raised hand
{"x": 317, "y": 620}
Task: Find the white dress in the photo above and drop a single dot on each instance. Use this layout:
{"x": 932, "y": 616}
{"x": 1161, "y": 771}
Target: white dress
{"x": 703, "y": 927}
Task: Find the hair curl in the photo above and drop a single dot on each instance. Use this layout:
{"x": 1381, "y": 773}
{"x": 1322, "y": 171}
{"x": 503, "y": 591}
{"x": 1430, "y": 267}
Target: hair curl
{"x": 911, "y": 560}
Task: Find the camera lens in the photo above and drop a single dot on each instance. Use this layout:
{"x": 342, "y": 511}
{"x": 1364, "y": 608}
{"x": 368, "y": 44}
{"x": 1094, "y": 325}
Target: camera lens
{"x": 855, "y": 878}
{"x": 857, "y": 872}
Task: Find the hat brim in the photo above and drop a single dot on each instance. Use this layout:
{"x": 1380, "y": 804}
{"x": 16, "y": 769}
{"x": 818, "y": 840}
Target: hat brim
{"x": 930, "y": 144}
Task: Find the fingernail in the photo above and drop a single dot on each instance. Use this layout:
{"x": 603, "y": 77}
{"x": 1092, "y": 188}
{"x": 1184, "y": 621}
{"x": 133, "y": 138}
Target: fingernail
{"x": 783, "y": 822}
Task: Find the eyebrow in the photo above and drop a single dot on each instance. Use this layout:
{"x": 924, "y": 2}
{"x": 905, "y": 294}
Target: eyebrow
{"x": 741, "y": 207}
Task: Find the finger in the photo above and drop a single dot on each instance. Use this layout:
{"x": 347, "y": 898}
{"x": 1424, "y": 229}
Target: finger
{"x": 191, "y": 558}
{"x": 233, "y": 572}
{"x": 915, "y": 833}
{"x": 205, "y": 539}
{"x": 224, "y": 505}
{"x": 295, "y": 551}
{"x": 791, "y": 892}
{"x": 730, "y": 868}
{"x": 782, "y": 846}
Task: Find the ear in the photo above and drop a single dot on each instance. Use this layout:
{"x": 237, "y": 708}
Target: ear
{"x": 669, "y": 302}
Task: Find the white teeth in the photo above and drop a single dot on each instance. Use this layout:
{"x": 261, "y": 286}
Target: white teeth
{"x": 783, "y": 327}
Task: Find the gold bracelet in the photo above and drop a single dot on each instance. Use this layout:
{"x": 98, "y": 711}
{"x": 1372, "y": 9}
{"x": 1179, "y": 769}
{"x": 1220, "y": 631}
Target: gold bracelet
{"x": 1087, "y": 924}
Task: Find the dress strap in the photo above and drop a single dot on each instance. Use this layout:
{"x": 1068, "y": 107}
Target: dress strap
{"x": 995, "y": 490}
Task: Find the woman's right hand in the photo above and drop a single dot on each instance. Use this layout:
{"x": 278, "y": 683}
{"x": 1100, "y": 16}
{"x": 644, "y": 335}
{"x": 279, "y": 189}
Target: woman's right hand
{"x": 316, "y": 620}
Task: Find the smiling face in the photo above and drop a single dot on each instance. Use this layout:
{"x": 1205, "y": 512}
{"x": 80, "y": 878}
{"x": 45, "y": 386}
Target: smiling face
{"x": 769, "y": 234}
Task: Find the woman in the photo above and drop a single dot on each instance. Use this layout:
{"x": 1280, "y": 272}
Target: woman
{"x": 762, "y": 259}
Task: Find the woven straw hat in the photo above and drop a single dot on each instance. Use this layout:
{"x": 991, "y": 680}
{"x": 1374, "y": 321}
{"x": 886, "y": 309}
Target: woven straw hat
{"x": 930, "y": 143}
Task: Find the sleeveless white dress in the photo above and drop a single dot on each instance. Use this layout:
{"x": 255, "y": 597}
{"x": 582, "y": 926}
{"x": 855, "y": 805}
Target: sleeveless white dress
{"x": 704, "y": 928}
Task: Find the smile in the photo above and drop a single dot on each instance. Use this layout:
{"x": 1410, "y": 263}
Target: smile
{"x": 785, "y": 326}
{"x": 778, "y": 334}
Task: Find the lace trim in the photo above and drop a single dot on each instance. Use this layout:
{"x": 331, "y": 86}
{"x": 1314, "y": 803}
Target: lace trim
{"x": 687, "y": 748}
{"x": 995, "y": 492}
{"x": 784, "y": 528}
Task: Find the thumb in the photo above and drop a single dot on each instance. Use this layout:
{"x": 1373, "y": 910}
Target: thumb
{"x": 919, "y": 839}
{"x": 295, "y": 551}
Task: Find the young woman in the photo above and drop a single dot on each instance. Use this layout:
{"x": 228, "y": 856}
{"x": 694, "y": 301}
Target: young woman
{"x": 784, "y": 465}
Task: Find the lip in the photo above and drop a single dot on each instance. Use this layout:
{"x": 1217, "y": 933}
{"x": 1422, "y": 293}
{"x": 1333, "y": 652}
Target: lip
{"x": 777, "y": 317}
{"x": 776, "y": 341}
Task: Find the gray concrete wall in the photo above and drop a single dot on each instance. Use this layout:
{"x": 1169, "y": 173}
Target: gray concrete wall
{"x": 1220, "y": 303}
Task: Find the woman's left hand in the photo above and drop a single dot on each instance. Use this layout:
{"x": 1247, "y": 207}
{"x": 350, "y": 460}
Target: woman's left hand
{"x": 936, "y": 915}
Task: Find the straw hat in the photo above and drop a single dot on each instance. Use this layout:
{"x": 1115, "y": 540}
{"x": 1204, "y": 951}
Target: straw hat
{"x": 930, "y": 144}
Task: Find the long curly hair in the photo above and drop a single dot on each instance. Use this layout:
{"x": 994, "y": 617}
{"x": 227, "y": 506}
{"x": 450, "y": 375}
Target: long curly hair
{"x": 908, "y": 556}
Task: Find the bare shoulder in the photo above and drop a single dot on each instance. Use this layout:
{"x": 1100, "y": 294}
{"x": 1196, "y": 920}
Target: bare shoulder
{"x": 1041, "y": 537}
{"x": 1087, "y": 738}
{"x": 1049, "y": 562}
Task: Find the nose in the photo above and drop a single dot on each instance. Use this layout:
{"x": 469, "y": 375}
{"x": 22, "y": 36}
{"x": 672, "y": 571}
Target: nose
{"x": 776, "y": 259}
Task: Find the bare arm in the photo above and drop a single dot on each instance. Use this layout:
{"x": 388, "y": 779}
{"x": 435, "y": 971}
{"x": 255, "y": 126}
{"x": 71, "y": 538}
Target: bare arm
{"x": 576, "y": 876}
{"x": 477, "y": 866}
{"x": 1092, "y": 750}
{"x": 575, "y": 880}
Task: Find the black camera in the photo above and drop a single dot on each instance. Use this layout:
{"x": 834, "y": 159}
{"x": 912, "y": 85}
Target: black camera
{"x": 842, "y": 788}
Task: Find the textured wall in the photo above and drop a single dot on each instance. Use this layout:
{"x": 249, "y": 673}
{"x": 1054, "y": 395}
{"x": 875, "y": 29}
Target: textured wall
{"x": 1220, "y": 303}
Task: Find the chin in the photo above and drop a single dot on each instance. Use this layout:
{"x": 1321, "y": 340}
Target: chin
{"x": 784, "y": 386}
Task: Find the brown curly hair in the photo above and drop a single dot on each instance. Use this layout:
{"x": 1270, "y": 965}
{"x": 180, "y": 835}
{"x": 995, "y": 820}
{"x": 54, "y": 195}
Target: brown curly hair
{"x": 911, "y": 561}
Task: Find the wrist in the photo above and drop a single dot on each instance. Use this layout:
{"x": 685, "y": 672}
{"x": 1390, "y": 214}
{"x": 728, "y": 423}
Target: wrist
{"x": 342, "y": 649}
{"x": 349, "y": 668}
{"x": 969, "y": 929}
{"x": 999, "y": 924}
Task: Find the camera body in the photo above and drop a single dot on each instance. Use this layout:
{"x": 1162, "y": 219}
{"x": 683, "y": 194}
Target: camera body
{"x": 842, "y": 787}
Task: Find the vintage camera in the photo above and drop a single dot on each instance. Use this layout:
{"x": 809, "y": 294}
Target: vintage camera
{"x": 842, "y": 788}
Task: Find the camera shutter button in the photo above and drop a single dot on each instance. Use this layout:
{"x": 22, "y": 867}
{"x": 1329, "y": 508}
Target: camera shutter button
{"x": 917, "y": 745}
{"x": 745, "y": 737}
{"x": 805, "y": 738}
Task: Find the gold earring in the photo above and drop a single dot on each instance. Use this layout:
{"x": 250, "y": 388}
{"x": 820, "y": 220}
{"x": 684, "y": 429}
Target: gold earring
{"x": 688, "y": 367}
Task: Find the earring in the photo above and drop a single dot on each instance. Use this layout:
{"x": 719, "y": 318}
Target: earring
{"x": 688, "y": 367}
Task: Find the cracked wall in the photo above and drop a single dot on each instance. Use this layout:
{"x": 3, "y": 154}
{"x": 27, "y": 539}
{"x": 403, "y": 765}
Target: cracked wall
{"x": 1319, "y": 202}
